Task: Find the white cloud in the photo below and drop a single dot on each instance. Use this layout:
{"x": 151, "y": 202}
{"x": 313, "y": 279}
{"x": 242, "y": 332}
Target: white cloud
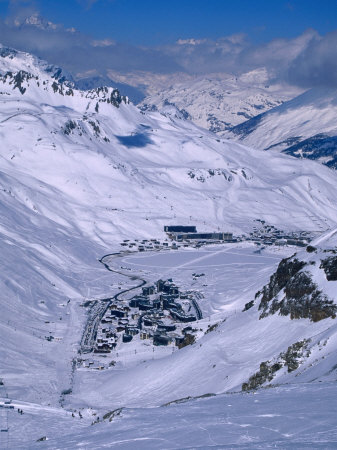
{"x": 103, "y": 43}
{"x": 306, "y": 60}
{"x": 316, "y": 65}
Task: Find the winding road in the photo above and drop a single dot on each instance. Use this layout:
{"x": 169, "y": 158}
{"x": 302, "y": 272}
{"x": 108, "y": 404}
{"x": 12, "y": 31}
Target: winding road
{"x": 100, "y": 307}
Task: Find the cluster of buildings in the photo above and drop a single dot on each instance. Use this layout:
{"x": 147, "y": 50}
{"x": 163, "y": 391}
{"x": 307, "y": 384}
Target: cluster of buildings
{"x": 270, "y": 235}
{"x": 147, "y": 245}
{"x": 187, "y": 236}
{"x": 161, "y": 314}
{"x": 179, "y": 236}
{"x": 189, "y": 233}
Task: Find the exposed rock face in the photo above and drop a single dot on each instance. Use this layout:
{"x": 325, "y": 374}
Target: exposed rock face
{"x": 304, "y": 300}
{"x": 188, "y": 340}
{"x": 17, "y": 79}
{"x": 266, "y": 373}
{"x": 287, "y": 268}
{"x": 21, "y": 80}
{"x": 112, "y": 414}
{"x": 291, "y": 292}
{"x": 330, "y": 268}
{"x": 248, "y": 305}
{"x": 294, "y": 354}
{"x": 291, "y": 358}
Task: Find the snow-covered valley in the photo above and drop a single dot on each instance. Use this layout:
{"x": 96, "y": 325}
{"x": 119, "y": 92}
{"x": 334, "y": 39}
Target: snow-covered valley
{"x": 250, "y": 110}
{"x": 304, "y": 127}
{"x": 83, "y": 171}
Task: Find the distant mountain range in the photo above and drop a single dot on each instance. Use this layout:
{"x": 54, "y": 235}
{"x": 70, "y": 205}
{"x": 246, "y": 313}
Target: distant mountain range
{"x": 304, "y": 127}
{"x": 250, "y": 107}
{"x": 220, "y": 102}
{"x": 259, "y": 115}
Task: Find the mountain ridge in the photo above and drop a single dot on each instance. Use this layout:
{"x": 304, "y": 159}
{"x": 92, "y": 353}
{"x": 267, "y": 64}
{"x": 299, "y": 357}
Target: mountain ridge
{"x": 220, "y": 102}
{"x": 303, "y": 127}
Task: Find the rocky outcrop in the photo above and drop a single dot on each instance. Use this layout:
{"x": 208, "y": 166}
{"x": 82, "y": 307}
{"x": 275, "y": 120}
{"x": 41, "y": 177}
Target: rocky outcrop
{"x": 17, "y": 79}
{"x": 108, "y": 95}
{"x": 291, "y": 359}
{"x": 329, "y": 265}
{"x": 264, "y": 374}
{"x": 287, "y": 268}
{"x": 21, "y": 80}
{"x": 321, "y": 146}
{"x": 292, "y": 292}
{"x": 294, "y": 354}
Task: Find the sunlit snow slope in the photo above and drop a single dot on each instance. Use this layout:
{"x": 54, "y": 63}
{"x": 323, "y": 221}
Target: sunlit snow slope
{"x": 304, "y": 127}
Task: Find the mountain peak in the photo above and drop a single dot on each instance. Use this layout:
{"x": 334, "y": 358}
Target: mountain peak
{"x": 34, "y": 20}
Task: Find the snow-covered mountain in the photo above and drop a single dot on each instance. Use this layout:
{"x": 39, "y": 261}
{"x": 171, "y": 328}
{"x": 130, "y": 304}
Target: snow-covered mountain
{"x": 14, "y": 61}
{"x": 135, "y": 94}
{"x": 304, "y": 127}
{"x": 220, "y": 102}
{"x": 83, "y": 170}
{"x": 35, "y": 20}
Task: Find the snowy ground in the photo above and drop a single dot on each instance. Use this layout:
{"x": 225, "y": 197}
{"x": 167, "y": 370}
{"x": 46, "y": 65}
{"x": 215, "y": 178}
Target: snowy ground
{"x": 222, "y": 266}
{"x": 292, "y": 416}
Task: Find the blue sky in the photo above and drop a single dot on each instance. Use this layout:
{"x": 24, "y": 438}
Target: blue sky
{"x": 158, "y": 22}
{"x": 294, "y": 40}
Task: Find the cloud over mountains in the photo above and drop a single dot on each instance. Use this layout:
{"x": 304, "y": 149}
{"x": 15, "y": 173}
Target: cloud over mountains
{"x": 306, "y": 60}
{"x": 316, "y": 64}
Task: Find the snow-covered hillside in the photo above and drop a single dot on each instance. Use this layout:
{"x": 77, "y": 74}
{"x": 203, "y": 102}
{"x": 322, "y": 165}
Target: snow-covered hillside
{"x": 14, "y": 61}
{"x": 83, "y": 170}
{"x": 291, "y": 416}
{"x": 89, "y": 145}
{"x": 304, "y": 127}
{"x": 219, "y": 102}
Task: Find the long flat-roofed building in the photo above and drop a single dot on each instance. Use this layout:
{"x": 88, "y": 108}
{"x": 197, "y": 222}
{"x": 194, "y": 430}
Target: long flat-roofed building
{"x": 206, "y": 236}
{"x": 180, "y": 229}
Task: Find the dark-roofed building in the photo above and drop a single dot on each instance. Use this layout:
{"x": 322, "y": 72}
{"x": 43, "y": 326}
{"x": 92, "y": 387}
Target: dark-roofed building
{"x": 148, "y": 290}
{"x": 127, "y": 337}
{"x": 160, "y": 284}
{"x": 166, "y": 327}
{"x": 161, "y": 339}
{"x": 180, "y": 229}
{"x": 132, "y": 331}
{"x": 136, "y": 301}
{"x": 206, "y": 236}
{"x": 183, "y": 317}
{"x": 170, "y": 288}
{"x": 118, "y": 313}
{"x": 102, "y": 348}
{"x": 157, "y": 303}
{"x": 147, "y": 322}
{"x": 145, "y": 306}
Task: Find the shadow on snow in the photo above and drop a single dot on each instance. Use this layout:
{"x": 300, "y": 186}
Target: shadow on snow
{"x": 135, "y": 140}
